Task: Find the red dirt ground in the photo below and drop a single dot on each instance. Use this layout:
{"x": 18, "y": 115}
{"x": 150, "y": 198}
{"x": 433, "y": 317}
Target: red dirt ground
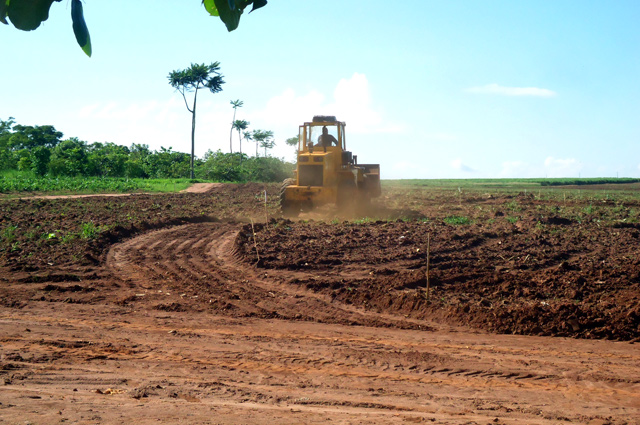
{"x": 188, "y": 307}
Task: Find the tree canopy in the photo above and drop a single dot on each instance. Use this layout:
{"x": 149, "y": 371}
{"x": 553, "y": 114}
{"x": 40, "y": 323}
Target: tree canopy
{"x": 27, "y": 15}
{"x": 292, "y": 141}
{"x": 240, "y": 126}
{"x": 264, "y": 139}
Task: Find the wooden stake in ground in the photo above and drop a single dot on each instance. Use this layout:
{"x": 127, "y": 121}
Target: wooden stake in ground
{"x": 255, "y": 242}
{"x": 428, "y": 250}
{"x": 266, "y": 214}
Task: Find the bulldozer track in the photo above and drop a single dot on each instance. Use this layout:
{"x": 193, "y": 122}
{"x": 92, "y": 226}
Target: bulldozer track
{"x": 261, "y": 369}
{"x": 200, "y": 260}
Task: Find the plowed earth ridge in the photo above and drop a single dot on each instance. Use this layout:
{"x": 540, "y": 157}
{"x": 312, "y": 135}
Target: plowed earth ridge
{"x": 201, "y": 262}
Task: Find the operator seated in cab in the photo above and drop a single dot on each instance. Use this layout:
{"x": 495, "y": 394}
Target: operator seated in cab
{"x": 326, "y": 139}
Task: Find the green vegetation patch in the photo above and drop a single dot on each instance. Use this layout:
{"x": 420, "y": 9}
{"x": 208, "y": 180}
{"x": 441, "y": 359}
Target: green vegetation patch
{"x": 522, "y": 184}
{"x": 457, "y": 220}
{"x": 27, "y": 183}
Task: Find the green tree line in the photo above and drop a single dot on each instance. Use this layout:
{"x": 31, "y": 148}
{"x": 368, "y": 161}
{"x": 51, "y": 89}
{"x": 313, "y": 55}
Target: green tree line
{"x": 41, "y": 150}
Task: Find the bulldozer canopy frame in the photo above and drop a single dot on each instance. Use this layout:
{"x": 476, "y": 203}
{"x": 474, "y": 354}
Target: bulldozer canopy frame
{"x": 310, "y": 132}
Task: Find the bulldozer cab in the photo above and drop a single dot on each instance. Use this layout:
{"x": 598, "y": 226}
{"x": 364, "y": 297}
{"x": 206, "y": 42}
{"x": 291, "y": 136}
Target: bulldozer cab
{"x": 324, "y": 132}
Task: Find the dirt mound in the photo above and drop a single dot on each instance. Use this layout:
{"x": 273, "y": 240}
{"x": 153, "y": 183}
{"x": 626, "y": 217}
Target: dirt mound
{"x": 580, "y": 280}
{"x": 202, "y": 187}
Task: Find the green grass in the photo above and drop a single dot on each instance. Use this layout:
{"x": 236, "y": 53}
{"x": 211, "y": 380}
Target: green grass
{"x": 8, "y": 234}
{"x": 587, "y": 181}
{"x": 89, "y": 230}
{"x": 533, "y": 183}
{"x": 558, "y": 189}
{"x": 513, "y": 206}
{"x": 463, "y": 183}
{"x": 167, "y": 185}
{"x": 363, "y": 220}
{"x": 457, "y": 220}
{"x": 26, "y": 183}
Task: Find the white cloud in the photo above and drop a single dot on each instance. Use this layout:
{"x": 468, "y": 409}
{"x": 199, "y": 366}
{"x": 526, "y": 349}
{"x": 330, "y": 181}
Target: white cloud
{"x": 441, "y": 137}
{"x": 136, "y": 111}
{"x": 404, "y": 166}
{"x": 511, "y": 91}
{"x": 551, "y": 167}
{"x": 557, "y": 167}
{"x": 352, "y": 102}
{"x": 519, "y": 169}
{"x": 88, "y": 110}
{"x": 460, "y": 166}
{"x": 353, "y": 105}
{"x": 288, "y": 110}
{"x": 154, "y": 123}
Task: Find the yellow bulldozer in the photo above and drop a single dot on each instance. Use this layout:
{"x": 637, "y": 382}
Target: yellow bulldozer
{"x": 326, "y": 172}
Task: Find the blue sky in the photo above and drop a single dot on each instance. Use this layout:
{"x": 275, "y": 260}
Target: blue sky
{"x": 432, "y": 89}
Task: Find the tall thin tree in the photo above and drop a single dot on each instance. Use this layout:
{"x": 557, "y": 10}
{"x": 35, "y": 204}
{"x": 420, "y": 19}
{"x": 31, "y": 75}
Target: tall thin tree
{"x": 235, "y": 104}
{"x": 192, "y": 79}
{"x": 240, "y": 126}
{"x": 248, "y": 137}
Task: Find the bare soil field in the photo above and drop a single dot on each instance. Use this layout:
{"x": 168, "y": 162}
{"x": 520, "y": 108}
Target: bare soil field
{"x": 210, "y": 308}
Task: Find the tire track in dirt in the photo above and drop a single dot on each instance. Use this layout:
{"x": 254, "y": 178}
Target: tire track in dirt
{"x": 199, "y": 263}
{"x": 275, "y": 366}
